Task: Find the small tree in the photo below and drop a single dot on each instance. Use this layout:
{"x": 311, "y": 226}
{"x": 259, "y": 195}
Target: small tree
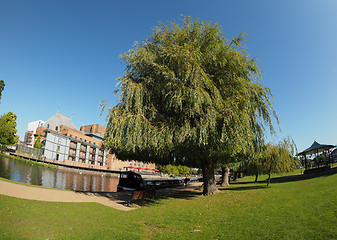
{"x": 279, "y": 158}
{"x": 8, "y": 130}
{"x": 38, "y": 143}
{"x": 183, "y": 170}
{"x": 254, "y": 164}
{"x": 2, "y": 87}
{"x": 173, "y": 169}
{"x": 320, "y": 159}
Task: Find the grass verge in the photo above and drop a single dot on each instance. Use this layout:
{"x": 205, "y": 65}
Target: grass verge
{"x": 30, "y": 162}
{"x": 290, "y": 208}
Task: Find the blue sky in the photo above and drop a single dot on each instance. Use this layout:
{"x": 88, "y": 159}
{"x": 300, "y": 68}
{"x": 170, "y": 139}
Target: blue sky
{"x": 65, "y": 55}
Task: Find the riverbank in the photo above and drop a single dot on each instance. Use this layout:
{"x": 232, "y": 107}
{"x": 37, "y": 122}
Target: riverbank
{"x": 25, "y": 191}
{"x": 117, "y": 200}
{"x": 73, "y": 165}
{"x": 28, "y": 161}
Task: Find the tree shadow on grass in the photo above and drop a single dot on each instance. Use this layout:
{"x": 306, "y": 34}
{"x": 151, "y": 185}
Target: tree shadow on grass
{"x": 292, "y": 178}
{"x": 171, "y": 193}
{"x": 302, "y": 177}
{"x": 242, "y": 188}
{"x": 125, "y": 198}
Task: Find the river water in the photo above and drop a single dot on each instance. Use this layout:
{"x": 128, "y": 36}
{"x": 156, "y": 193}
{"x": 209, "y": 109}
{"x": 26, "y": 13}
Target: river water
{"x": 62, "y": 178}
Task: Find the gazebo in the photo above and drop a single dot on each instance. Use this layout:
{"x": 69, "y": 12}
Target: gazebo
{"x": 315, "y": 149}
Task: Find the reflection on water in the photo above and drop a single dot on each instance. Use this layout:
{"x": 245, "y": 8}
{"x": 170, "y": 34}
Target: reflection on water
{"x": 69, "y": 179}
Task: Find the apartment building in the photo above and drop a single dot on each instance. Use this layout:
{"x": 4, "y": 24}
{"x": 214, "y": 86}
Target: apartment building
{"x": 29, "y": 135}
{"x": 62, "y": 142}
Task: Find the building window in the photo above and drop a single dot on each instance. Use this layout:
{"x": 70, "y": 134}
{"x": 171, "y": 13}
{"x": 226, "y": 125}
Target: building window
{"x": 48, "y": 125}
{"x": 70, "y": 135}
{"x": 56, "y": 128}
{"x": 75, "y": 137}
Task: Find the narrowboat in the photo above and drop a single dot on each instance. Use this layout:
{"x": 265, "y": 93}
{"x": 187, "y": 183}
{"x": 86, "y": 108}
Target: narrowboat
{"x": 131, "y": 181}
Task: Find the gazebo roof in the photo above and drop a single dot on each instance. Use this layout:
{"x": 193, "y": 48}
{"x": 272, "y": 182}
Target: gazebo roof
{"x": 316, "y": 148}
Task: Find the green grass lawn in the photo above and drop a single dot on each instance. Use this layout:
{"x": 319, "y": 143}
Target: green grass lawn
{"x": 291, "y": 208}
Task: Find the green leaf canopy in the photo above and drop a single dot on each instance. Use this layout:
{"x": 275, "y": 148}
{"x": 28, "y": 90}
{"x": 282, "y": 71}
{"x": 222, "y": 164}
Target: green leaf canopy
{"x": 188, "y": 94}
{"x": 8, "y": 130}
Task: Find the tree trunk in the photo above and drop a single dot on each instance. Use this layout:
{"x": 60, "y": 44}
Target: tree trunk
{"x": 208, "y": 175}
{"x": 222, "y": 175}
{"x": 268, "y": 180}
{"x": 225, "y": 177}
{"x": 235, "y": 175}
{"x": 256, "y": 176}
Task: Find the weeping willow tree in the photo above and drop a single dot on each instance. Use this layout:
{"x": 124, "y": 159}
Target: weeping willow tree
{"x": 189, "y": 96}
{"x": 278, "y": 158}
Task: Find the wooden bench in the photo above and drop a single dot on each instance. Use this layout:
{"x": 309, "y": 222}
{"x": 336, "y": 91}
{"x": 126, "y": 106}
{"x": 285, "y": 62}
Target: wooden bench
{"x": 141, "y": 194}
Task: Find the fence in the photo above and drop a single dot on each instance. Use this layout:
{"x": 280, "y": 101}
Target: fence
{"x": 29, "y": 150}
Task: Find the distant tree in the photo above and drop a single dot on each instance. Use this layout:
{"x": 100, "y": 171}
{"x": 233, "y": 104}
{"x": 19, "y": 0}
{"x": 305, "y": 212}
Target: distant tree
{"x": 184, "y": 170}
{"x": 320, "y": 159}
{"x": 225, "y": 170}
{"x": 254, "y": 164}
{"x": 278, "y": 158}
{"x": 173, "y": 169}
{"x": 194, "y": 171}
{"x": 8, "y": 130}
{"x": 38, "y": 143}
{"x": 170, "y": 169}
{"x": 255, "y": 167}
{"x": 2, "y": 87}
{"x": 191, "y": 96}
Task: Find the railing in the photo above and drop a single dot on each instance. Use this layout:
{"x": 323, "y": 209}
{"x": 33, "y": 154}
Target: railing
{"x": 29, "y": 150}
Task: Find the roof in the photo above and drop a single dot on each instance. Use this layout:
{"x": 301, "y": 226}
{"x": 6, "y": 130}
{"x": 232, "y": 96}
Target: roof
{"x": 316, "y": 148}
{"x": 57, "y": 120}
{"x": 94, "y": 135}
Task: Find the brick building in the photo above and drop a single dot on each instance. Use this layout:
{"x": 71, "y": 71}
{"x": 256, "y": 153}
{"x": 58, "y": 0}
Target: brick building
{"x": 62, "y": 142}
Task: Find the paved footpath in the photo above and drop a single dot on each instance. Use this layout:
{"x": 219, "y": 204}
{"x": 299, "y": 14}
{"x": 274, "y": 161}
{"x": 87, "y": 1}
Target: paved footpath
{"x": 54, "y": 195}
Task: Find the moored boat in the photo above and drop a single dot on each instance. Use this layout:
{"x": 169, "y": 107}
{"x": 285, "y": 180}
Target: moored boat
{"x": 131, "y": 181}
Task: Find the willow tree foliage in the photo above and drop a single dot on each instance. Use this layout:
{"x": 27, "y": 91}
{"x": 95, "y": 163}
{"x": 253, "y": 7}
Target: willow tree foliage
{"x": 189, "y": 96}
{"x": 278, "y": 158}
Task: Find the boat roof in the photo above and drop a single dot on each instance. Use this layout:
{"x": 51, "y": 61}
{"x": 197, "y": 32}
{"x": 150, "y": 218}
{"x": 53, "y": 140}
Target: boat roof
{"x": 160, "y": 179}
